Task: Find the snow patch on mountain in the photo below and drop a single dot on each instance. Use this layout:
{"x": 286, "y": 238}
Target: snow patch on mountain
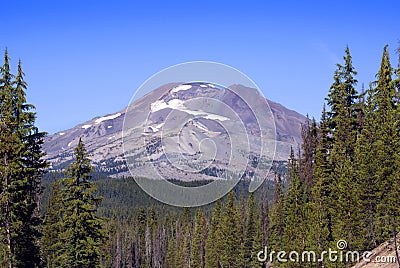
{"x": 172, "y": 104}
{"x": 200, "y": 126}
{"x": 177, "y": 104}
{"x": 181, "y": 88}
{"x": 211, "y": 85}
{"x": 86, "y": 126}
{"x": 155, "y": 128}
{"x": 113, "y": 116}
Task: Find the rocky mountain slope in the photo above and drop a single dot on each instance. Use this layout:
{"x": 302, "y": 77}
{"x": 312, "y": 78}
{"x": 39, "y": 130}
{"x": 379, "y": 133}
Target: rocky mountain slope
{"x": 384, "y": 256}
{"x": 103, "y": 136}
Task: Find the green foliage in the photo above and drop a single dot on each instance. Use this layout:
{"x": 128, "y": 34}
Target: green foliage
{"x": 21, "y": 170}
{"x": 342, "y": 184}
{"x": 213, "y": 243}
{"x": 277, "y": 222}
{"x": 82, "y": 231}
{"x": 252, "y": 236}
{"x": 52, "y": 226}
{"x": 197, "y": 258}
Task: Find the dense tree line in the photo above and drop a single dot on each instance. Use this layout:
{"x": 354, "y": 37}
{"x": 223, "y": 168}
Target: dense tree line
{"x": 341, "y": 184}
{"x": 344, "y": 182}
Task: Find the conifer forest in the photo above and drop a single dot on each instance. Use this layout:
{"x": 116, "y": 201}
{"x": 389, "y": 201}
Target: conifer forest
{"x": 341, "y": 183}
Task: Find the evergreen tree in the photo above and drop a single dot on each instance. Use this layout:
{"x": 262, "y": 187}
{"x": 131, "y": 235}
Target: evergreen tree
{"x": 9, "y": 155}
{"x": 306, "y": 162}
{"x": 231, "y": 234}
{"x": 21, "y": 170}
{"x": 386, "y": 144}
{"x": 214, "y": 242}
{"x": 277, "y": 218}
{"x": 51, "y": 225}
{"x": 82, "y": 230}
{"x": 252, "y": 238}
{"x": 170, "y": 258}
{"x": 365, "y": 177}
{"x": 321, "y": 234}
{"x": 264, "y": 215}
{"x": 295, "y": 207}
{"x": 345, "y": 201}
{"x": 197, "y": 259}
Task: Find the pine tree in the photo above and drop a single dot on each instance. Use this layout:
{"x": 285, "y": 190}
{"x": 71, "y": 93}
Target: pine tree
{"x": 230, "y": 231}
{"x": 8, "y": 154}
{"x": 321, "y": 234}
{"x": 252, "y": 238}
{"x": 170, "y": 258}
{"x": 51, "y": 225}
{"x": 82, "y": 231}
{"x": 365, "y": 177}
{"x": 21, "y": 170}
{"x": 264, "y": 215}
{"x": 294, "y": 207}
{"x": 386, "y": 144}
{"x": 277, "y": 217}
{"x": 306, "y": 161}
{"x": 214, "y": 240}
{"x": 345, "y": 201}
{"x": 141, "y": 219}
{"x": 27, "y": 182}
{"x": 197, "y": 259}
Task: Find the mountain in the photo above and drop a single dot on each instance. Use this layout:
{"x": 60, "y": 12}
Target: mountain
{"x": 160, "y": 127}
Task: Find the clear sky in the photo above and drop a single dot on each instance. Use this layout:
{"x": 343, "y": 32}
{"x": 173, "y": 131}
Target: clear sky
{"x": 86, "y": 58}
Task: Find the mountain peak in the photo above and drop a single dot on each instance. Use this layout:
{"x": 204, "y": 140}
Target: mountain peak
{"x": 103, "y": 135}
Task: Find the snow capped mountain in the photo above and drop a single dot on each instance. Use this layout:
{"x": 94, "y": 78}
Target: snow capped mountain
{"x": 181, "y": 118}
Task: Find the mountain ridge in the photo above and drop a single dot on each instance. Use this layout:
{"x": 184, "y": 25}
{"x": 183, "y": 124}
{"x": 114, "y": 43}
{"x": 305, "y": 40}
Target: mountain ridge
{"x": 103, "y": 134}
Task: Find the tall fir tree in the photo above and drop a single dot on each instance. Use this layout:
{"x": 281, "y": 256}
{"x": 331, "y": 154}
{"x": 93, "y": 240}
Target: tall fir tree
{"x": 345, "y": 198}
{"x": 214, "y": 240}
{"x": 21, "y": 170}
{"x": 386, "y": 147}
{"x": 365, "y": 170}
{"x": 231, "y": 233}
{"x": 83, "y": 231}
{"x": 264, "y": 207}
{"x": 197, "y": 258}
{"x": 252, "y": 235}
{"x": 277, "y": 217}
{"x": 308, "y": 147}
{"x": 52, "y": 225}
{"x": 321, "y": 234}
{"x": 294, "y": 209}
{"x": 9, "y": 155}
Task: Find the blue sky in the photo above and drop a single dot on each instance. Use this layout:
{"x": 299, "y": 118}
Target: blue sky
{"x": 86, "y": 58}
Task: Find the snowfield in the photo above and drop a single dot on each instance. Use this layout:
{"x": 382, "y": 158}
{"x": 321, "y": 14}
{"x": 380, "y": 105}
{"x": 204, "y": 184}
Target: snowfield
{"x": 113, "y": 116}
{"x": 180, "y": 88}
{"x": 177, "y": 104}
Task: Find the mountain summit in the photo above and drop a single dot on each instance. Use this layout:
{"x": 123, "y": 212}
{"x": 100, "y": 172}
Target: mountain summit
{"x": 103, "y": 136}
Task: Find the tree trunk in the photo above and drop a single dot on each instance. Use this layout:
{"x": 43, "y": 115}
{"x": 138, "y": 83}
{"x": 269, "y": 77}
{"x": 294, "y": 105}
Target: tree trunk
{"x": 7, "y": 212}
